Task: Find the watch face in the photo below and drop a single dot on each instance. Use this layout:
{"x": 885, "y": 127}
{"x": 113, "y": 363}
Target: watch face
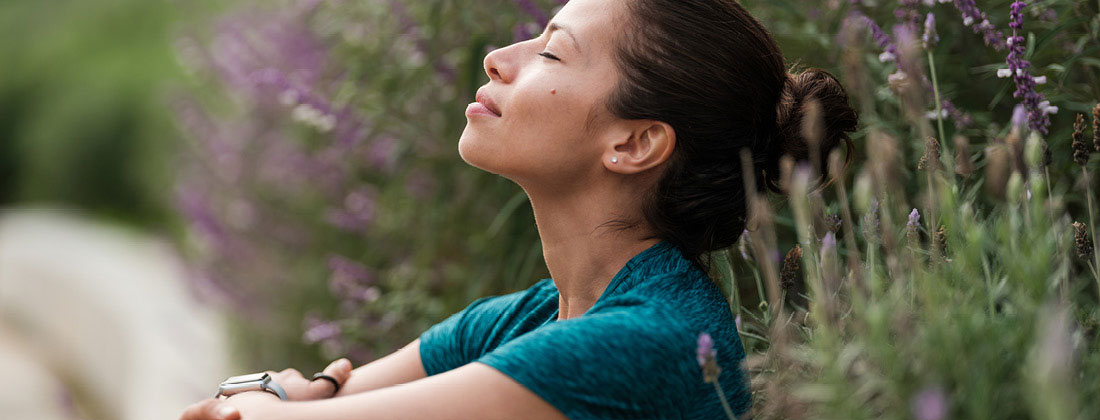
{"x": 252, "y": 377}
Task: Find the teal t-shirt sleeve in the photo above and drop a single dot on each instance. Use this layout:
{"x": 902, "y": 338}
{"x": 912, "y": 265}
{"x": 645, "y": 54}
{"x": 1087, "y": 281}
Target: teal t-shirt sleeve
{"x": 463, "y": 336}
{"x": 613, "y": 365}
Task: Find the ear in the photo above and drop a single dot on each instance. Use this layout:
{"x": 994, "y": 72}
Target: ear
{"x": 644, "y": 145}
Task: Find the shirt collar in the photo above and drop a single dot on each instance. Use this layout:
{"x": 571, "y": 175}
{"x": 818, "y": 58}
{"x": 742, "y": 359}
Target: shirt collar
{"x": 660, "y": 258}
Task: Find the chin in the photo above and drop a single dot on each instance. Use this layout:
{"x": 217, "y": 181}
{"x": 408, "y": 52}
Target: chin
{"x": 490, "y": 156}
{"x": 472, "y": 149}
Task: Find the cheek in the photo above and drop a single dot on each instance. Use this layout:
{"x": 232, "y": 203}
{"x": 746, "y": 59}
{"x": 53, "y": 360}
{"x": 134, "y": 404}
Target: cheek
{"x": 553, "y": 110}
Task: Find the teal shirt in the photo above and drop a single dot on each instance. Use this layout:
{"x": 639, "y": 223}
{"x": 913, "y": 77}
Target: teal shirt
{"x": 631, "y": 356}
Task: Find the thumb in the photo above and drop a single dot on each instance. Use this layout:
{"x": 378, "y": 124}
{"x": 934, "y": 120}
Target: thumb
{"x": 210, "y": 409}
{"x": 339, "y": 369}
{"x": 228, "y": 412}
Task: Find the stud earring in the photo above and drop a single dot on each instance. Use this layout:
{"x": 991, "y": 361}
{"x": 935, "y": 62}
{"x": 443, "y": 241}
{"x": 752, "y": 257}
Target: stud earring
{"x": 614, "y": 159}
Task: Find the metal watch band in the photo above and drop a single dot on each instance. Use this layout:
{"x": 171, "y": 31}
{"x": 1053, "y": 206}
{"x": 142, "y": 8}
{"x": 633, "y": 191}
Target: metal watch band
{"x": 267, "y": 384}
{"x": 274, "y": 387}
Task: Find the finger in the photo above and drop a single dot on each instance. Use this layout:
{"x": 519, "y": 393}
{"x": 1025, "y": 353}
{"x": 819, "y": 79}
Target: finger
{"x": 292, "y": 371}
{"x": 321, "y": 388}
{"x": 340, "y": 370}
{"x": 210, "y": 409}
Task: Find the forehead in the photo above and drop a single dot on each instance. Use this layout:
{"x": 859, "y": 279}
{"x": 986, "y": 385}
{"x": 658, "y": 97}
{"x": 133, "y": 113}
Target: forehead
{"x": 592, "y": 22}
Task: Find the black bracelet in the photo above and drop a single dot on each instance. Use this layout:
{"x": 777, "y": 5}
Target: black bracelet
{"x": 335, "y": 384}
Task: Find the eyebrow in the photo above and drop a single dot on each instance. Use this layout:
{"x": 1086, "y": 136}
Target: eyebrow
{"x": 555, "y": 26}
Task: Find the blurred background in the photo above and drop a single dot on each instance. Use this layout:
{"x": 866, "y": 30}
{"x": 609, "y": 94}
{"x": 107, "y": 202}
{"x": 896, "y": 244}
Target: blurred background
{"x": 194, "y": 190}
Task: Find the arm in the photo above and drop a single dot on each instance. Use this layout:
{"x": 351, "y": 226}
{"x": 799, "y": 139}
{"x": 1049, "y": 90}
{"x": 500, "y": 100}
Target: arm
{"x": 473, "y": 391}
{"x": 396, "y": 368}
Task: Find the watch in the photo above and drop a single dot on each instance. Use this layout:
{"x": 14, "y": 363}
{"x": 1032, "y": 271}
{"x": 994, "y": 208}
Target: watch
{"x": 250, "y": 382}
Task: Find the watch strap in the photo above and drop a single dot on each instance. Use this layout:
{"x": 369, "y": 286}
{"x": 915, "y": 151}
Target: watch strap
{"x": 275, "y": 388}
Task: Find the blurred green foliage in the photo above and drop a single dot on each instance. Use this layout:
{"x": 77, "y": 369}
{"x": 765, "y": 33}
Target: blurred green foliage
{"x": 83, "y": 122}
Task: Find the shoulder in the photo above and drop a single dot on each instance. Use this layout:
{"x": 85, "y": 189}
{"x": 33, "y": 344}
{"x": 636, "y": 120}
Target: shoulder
{"x": 518, "y": 301}
{"x": 682, "y": 299}
{"x": 635, "y": 361}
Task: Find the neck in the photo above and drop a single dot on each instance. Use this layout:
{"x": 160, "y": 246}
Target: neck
{"x": 582, "y": 252}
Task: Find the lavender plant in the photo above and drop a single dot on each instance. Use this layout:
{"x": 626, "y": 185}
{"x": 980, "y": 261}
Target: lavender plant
{"x": 323, "y": 193}
{"x": 972, "y": 305}
{"x": 325, "y": 201}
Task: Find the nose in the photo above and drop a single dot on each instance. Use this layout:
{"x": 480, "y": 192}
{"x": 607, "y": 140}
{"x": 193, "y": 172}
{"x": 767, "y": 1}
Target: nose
{"x": 497, "y": 65}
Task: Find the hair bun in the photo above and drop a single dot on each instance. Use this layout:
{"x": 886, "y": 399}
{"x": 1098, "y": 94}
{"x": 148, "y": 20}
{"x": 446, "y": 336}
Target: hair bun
{"x": 838, "y": 119}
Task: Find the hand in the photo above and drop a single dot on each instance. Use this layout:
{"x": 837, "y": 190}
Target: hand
{"x": 247, "y": 405}
{"x": 299, "y": 388}
{"x": 211, "y": 409}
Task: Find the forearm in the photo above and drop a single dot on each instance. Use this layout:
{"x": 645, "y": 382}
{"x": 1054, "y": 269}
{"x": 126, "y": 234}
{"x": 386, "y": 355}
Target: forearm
{"x": 370, "y": 405}
{"x": 474, "y": 391}
{"x": 376, "y": 377}
{"x": 399, "y": 367}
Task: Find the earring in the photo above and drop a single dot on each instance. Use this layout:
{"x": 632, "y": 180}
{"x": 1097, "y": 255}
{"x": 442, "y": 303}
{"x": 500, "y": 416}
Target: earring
{"x": 614, "y": 159}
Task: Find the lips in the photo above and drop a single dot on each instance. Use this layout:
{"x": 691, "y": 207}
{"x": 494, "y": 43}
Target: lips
{"x": 484, "y": 99}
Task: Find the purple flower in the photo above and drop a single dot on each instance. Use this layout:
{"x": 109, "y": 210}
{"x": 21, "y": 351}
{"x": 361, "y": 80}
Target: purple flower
{"x": 1018, "y": 69}
{"x": 705, "y": 349}
{"x": 350, "y": 269}
{"x": 737, "y": 321}
{"x": 411, "y": 29}
{"x": 828, "y": 243}
{"x": 884, "y": 41}
{"x": 351, "y": 280}
{"x": 870, "y": 221}
{"x": 319, "y": 330}
{"x": 1019, "y": 117}
{"x": 380, "y": 154}
{"x": 891, "y": 53}
{"x": 930, "y": 37}
{"x": 978, "y": 22}
{"x": 707, "y": 357}
{"x": 930, "y": 404}
{"x": 358, "y": 211}
{"x": 914, "y": 219}
{"x": 197, "y": 210}
{"x": 907, "y": 13}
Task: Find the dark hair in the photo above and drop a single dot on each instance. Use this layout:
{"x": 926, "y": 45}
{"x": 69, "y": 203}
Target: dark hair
{"x": 712, "y": 72}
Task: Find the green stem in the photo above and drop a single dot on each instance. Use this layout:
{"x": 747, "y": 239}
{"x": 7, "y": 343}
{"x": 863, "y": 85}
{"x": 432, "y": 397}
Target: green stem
{"x": 760, "y": 287}
{"x": 936, "y": 91}
{"x": 735, "y": 295}
{"x": 946, "y": 155}
{"x": 722, "y": 398}
{"x": 1062, "y": 283}
{"x": 988, "y": 284}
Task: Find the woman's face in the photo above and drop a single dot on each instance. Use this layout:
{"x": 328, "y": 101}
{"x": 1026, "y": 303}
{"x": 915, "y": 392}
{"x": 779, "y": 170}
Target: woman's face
{"x": 549, "y": 94}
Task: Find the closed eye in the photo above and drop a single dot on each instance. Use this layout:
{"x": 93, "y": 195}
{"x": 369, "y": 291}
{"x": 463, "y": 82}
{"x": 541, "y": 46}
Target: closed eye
{"x": 550, "y": 56}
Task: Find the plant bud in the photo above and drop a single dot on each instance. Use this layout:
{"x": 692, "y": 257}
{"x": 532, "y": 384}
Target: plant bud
{"x": 861, "y": 192}
{"x": 1033, "y": 150}
{"x": 1014, "y": 190}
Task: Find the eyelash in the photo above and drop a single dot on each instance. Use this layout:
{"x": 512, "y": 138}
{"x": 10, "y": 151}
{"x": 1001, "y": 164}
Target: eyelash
{"x": 550, "y": 56}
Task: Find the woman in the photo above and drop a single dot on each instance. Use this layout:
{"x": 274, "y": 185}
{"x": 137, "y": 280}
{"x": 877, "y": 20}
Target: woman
{"x": 623, "y": 123}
